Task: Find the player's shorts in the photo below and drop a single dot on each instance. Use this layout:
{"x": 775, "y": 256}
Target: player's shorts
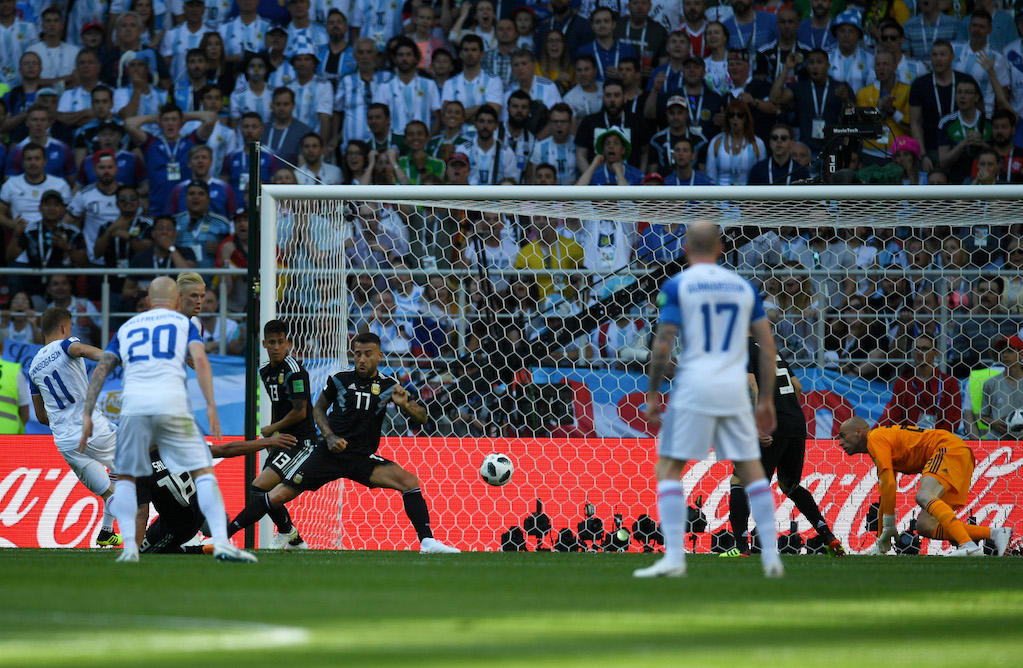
{"x": 687, "y": 435}
{"x": 786, "y": 454}
{"x": 279, "y": 460}
{"x": 953, "y": 466}
{"x": 91, "y": 466}
{"x": 182, "y": 446}
{"x": 321, "y": 466}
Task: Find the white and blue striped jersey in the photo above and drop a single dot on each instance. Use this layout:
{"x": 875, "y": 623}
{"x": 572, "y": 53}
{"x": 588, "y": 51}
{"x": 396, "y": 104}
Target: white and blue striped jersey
{"x": 61, "y": 380}
{"x": 493, "y": 166}
{"x": 149, "y": 103}
{"x": 74, "y": 99}
{"x": 222, "y": 141}
{"x": 239, "y": 38}
{"x": 352, "y": 98}
{"x": 313, "y": 98}
{"x": 484, "y": 88}
{"x": 282, "y": 76}
{"x": 301, "y": 40}
{"x": 152, "y": 348}
{"x": 966, "y": 61}
{"x": 562, "y": 156}
{"x": 175, "y": 45}
{"x": 380, "y": 20}
{"x": 414, "y": 101}
{"x": 83, "y": 11}
{"x": 713, "y": 308}
{"x": 244, "y": 100}
{"x": 320, "y": 9}
{"x": 854, "y": 70}
{"x": 216, "y": 13}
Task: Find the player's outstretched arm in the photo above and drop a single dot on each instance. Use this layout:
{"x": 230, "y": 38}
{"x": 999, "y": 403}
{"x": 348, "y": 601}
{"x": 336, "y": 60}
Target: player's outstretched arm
{"x": 660, "y": 360}
{"x": 79, "y": 349}
{"x": 99, "y": 376}
{"x": 204, "y": 374}
{"x": 239, "y": 448}
{"x": 888, "y": 530}
{"x": 401, "y": 399}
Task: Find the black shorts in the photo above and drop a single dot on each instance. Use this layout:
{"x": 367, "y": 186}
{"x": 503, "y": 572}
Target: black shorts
{"x": 279, "y": 460}
{"x": 786, "y": 455}
{"x": 322, "y": 466}
{"x": 167, "y": 537}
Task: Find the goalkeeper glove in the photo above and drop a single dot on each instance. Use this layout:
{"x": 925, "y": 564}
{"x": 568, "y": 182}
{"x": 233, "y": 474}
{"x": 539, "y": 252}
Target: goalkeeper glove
{"x": 888, "y": 533}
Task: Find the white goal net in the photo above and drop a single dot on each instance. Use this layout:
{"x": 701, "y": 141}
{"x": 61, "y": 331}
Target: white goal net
{"x": 520, "y": 317}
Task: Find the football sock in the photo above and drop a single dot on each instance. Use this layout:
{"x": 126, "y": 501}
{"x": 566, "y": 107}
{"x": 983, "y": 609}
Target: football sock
{"x": 977, "y": 532}
{"x": 808, "y": 507}
{"x": 250, "y": 514}
{"x": 212, "y": 506}
{"x": 761, "y": 501}
{"x": 124, "y": 504}
{"x": 108, "y": 515}
{"x": 671, "y": 506}
{"x": 280, "y": 516}
{"x": 418, "y": 513}
{"x": 738, "y": 516}
{"x": 946, "y": 517}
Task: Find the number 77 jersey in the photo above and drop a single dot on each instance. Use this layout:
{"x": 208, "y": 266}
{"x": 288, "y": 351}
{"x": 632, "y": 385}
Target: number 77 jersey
{"x": 152, "y": 348}
{"x": 713, "y": 308}
{"x": 61, "y": 380}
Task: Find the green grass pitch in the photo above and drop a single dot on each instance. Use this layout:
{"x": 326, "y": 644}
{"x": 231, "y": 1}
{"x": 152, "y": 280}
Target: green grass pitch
{"x": 324, "y": 608}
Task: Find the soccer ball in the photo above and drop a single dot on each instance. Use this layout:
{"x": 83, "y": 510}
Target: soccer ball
{"x": 1014, "y": 423}
{"x": 497, "y": 469}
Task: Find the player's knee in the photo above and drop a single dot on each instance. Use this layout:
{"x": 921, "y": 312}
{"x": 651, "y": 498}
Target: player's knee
{"x": 922, "y": 498}
{"x": 786, "y": 486}
{"x": 926, "y": 524}
{"x": 281, "y": 494}
{"x": 734, "y": 480}
{"x": 407, "y": 480}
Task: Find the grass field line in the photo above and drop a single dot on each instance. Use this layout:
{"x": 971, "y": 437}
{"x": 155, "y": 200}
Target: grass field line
{"x": 141, "y": 633}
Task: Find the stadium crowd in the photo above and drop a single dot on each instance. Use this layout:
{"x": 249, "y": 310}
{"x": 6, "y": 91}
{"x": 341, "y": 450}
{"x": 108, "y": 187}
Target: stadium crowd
{"x": 125, "y": 123}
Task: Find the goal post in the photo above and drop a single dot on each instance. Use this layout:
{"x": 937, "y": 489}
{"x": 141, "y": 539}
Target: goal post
{"x": 544, "y": 360}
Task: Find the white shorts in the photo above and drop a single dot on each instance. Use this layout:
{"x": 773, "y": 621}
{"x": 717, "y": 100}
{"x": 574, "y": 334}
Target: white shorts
{"x": 182, "y": 446}
{"x": 686, "y": 435}
{"x": 92, "y": 465}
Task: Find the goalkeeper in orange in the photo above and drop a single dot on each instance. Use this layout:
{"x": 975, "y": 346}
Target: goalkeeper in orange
{"x": 947, "y": 467}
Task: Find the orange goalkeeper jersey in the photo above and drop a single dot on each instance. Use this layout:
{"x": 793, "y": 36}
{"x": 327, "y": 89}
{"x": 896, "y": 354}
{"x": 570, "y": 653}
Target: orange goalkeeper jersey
{"x": 907, "y": 449}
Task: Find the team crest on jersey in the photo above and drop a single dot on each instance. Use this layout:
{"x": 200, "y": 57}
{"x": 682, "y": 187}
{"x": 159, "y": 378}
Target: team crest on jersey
{"x": 280, "y": 379}
{"x": 375, "y": 388}
{"x": 297, "y": 479}
{"x": 111, "y": 405}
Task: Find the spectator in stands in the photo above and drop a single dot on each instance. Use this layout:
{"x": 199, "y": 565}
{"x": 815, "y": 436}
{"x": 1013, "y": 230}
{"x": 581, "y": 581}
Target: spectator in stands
{"x": 661, "y": 243}
{"x": 906, "y": 154}
{"x": 815, "y": 31}
{"x": 1011, "y": 298}
{"x": 222, "y": 196}
{"x": 563, "y": 19}
{"x": 684, "y": 157}
{"x": 715, "y": 38}
{"x": 406, "y": 82}
{"x": 19, "y": 195}
{"x": 477, "y": 19}
{"x": 490, "y": 160}
{"x": 163, "y": 256}
{"x": 49, "y": 242}
{"x": 186, "y": 89}
{"x": 355, "y": 162}
{"x": 558, "y": 149}
{"x": 215, "y": 329}
{"x": 749, "y": 29}
{"x": 182, "y": 37}
{"x": 962, "y": 135}
{"x": 780, "y": 168}
{"x": 694, "y": 26}
{"x": 236, "y": 164}
{"x": 355, "y": 93}
{"x": 396, "y": 334}
{"x": 245, "y": 32}
{"x": 114, "y": 68}
{"x": 645, "y": 35}
{"x": 890, "y": 97}
{"x": 666, "y": 79}
{"x": 380, "y": 239}
{"x": 514, "y": 133}
{"x": 498, "y": 249}
{"x": 458, "y": 170}
{"x": 542, "y": 93}
{"x": 987, "y": 169}
{"x": 1003, "y": 393}
{"x": 985, "y": 64}
{"x": 555, "y": 62}
{"x": 473, "y": 86}
{"x": 954, "y": 262}
{"x": 1008, "y": 154}
{"x": 851, "y": 63}
{"x": 927, "y": 28}
{"x": 497, "y": 59}
{"x": 233, "y": 252}
{"x": 314, "y": 96}
{"x": 19, "y": 322}
{"x": 59, "y": 290}
{"x": 57, "y": 56}
{"x": 284, "y": 135}
{"x": 754, "y": 92}
{"x": 73, "y": 108}
{"x": 605, "y": 47}
{"x": 732, "y": 154}
{"x": 22, "y": 97}
{"x": 276, "y": 50}
{"x": 224, "y": 138}
{"x": 863, "y": 348}
{"x": 792, "y": 294}
{"x": 199, "y": 227}
{"x": 609, "y": 166}
{"x": 986, "y": 321}
{"x": 253, "y": 96}
{"x": 891, "y": 37}
{"x": 770, "y": 58}
{"x": 586, "y": 96}
{"x": 59, "y": 161}
{"x": 220, "y": 71}
{"x": 632, "y": 90}
{"x": 314, "y": 169}
{"x": 121, "y": 238}
{"x": 924, "y": 397}
{"x": 453, "y": 135}
{"x": 166, "y": 154}
{"x": 816, "y": 100}
{"x": 612, "y": 113}
{"x": 549, "y": 251}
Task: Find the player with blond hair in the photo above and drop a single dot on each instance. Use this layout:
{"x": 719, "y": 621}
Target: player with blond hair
{"x": 193, "y": 291}
{"x": 946, "y": 463}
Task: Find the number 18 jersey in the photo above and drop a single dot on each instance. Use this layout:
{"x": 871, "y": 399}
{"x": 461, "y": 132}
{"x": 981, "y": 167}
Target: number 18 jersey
{"x": 713, "y": 308}
{"x": 62, "y": 382}
{"x": 152, "y": 348}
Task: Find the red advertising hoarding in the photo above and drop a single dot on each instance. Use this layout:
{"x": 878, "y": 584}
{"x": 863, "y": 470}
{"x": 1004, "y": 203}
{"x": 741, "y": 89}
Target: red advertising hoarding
{"x": 43, "y": 505}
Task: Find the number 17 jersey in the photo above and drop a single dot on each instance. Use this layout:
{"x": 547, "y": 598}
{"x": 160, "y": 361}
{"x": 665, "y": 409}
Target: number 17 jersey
{"x": 357, "y": 408}
{"x": 713, "y": 308}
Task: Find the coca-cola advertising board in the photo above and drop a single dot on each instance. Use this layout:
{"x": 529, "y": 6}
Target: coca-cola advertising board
{"x": 43, "y": 505}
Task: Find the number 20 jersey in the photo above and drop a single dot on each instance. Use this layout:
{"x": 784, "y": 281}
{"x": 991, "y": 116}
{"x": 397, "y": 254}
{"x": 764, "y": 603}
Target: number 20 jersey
{"x": 62, "y": 382}
{"x": 152, "y": 348}
{"x": 713, "y": 308}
